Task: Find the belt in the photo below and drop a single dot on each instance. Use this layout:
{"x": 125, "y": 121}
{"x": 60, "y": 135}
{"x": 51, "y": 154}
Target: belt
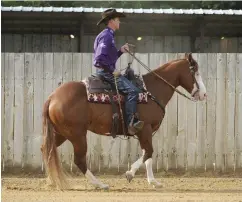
{"x": 105, "y": 69}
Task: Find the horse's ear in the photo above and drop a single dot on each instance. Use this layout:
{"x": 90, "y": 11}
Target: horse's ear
{"x": 188, "y": 56}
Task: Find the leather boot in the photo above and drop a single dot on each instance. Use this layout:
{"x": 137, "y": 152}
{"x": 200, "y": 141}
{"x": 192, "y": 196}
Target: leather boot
{"x": 135, "y": 125}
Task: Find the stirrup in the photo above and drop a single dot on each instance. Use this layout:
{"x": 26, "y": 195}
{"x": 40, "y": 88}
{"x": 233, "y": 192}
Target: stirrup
{"x": 133, "y": 128}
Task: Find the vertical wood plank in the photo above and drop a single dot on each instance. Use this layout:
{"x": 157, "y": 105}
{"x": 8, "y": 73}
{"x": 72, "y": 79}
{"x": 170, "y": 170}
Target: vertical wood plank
{"x": 178, "y": 44}
{"x": 3, "y": 110}
{"x": 46, "y": 43}
{"x": 207, "y": 44}
{"x": 211, "y": 110}
{"x": 2, "y": 43}
{"x": 79, "y": 70}
{"x": 220, "y": 112}
{"x": 168, "y": 44}
{"x": 29, "y": 108}
{"x": 148, "y": 44}
{"x": 239, "y": 44}
{"x": 238, "y": 112}
{"x": 18, "y": 43}
{"x": 215, "y": 45}
{"x": 223, "y": 45}
{"x": 37, "y": 43}
{"x": 9, "y": 110}
{"x": 65, "y": 43}
{"x": 158, "y": 46}
{"x": 38, "y": 89}
{"x": 186, "y": 44}
{"x": 9, "y": 43}
{"x": 28, "y": 43}
{"x": 19, "y": 132}
{"x": 84, "y": 44}
{"x": 232, "y": 45}
{"x": 75, "y": 44}
{"x": 230, "y": 107}
{"x": 91, "y": 40}
{"x": 48, "y": 69}
{"x": 56, "y": 43}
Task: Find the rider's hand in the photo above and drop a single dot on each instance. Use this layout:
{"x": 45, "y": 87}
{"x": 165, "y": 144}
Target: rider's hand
{"x": 125, "y": 46}
{"x": 116, "y": 73}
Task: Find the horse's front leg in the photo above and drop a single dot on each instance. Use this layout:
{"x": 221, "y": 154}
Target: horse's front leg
{"x": 134, "y": 167}
{"x": 145, "y": 139}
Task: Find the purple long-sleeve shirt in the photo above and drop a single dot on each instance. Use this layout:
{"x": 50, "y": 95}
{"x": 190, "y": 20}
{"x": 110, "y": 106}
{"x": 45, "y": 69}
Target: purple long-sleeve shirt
{"x": 105, "y": 51}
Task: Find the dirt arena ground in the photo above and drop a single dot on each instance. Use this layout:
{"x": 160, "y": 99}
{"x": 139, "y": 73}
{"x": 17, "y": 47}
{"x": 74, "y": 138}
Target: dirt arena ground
{"x": 175, "y": 188}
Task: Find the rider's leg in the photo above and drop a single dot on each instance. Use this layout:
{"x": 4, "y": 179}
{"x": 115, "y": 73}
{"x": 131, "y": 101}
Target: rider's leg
{"x": 132, "y": 93}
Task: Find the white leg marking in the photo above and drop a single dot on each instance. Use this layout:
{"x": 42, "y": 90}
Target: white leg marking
{"x": 95, "y": 181}
{"x": 150, "y": 175}
{"x": 134, "y": 167}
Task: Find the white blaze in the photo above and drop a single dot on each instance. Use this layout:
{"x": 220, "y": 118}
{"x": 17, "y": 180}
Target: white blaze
{"x": 202, "y": 89}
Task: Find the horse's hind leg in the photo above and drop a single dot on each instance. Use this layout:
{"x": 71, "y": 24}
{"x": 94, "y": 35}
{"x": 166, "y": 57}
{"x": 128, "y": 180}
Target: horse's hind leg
{"x": 80, "y": 150}
{"x": 59, "y": 140}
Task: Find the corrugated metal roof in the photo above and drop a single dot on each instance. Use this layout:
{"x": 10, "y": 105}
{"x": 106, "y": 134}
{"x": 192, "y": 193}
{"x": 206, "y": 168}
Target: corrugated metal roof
{"x": 124, "y": 10}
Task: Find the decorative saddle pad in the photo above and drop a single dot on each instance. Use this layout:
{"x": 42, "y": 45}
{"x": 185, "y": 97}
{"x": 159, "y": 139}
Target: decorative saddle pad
{"x": 98, "y": 95}
{"x": 105, "y": 98}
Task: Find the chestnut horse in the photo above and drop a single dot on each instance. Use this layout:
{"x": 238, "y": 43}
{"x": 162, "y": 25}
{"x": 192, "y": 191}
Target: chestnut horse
{"x": 67, "y": 115}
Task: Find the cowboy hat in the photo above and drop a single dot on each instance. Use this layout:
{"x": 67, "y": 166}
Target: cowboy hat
{"x": 108, "y": 14}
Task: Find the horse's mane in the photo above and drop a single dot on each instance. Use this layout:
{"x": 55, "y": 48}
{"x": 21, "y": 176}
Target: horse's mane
{"x": 169, "y": 63}
{"x": 165, "y": 65}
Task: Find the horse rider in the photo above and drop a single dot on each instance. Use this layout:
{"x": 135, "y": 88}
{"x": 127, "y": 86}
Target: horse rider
{"x": 105, "y": 57}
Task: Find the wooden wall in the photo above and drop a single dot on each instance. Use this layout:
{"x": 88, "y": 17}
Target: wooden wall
{"x": 149, "y": 44}
{"x": 203, "y": 135}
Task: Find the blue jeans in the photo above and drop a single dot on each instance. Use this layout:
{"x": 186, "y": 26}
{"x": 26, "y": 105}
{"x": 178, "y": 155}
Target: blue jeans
{"x": 125, "y": 87}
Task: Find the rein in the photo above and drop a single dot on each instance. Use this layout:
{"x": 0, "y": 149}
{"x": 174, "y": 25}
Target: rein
{"x": 152, "y": 97}
{"x": 149, "y": 70}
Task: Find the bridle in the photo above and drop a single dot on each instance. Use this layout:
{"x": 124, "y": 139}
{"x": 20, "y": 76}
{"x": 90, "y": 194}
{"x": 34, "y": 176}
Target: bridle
{"x": 193, "y": 72}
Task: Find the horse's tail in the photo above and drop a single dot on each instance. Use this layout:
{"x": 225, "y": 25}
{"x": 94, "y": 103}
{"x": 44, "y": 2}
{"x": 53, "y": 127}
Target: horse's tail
{"x": 50, "y": 153}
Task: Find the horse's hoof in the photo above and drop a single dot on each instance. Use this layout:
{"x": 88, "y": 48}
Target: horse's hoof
{"x": 156, "y": 184}
{"x": 101, "y": 186}
{"x": 129, "y": 176}
{"x": 104, "y": 187}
